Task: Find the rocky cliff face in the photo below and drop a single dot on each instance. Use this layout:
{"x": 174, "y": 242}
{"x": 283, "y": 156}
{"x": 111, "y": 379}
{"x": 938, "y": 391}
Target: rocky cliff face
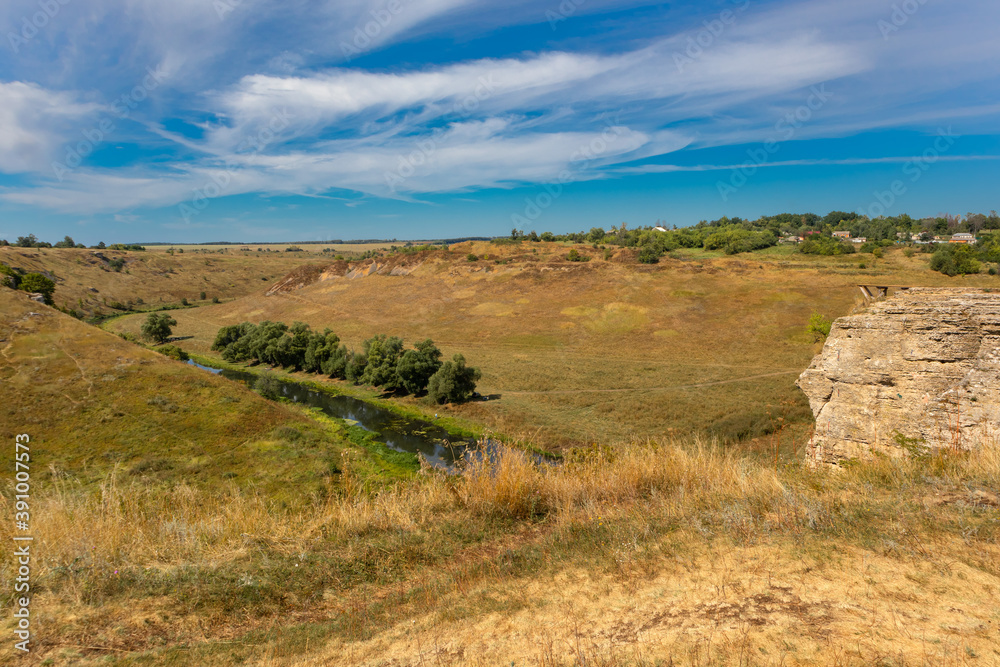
{"x": 923, "y": 365}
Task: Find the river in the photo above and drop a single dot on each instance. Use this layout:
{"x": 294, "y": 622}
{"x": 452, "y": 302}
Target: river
{"x": 404, "y": 434}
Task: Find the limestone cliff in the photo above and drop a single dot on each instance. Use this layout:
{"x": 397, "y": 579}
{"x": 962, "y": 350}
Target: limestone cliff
{"x": 923, "y": 364}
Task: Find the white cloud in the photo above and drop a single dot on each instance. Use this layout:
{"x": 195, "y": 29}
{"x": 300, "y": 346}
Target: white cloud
{"x": 35, "y": 123}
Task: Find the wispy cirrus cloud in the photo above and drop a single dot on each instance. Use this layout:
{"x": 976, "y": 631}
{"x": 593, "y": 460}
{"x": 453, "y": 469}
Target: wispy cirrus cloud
{"x": 816, "y": 162}
{"x": 35, "y": 122}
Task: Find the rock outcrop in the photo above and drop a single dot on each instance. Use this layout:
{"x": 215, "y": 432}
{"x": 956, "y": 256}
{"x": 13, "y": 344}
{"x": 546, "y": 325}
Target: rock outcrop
{"x": 918, "y": 370}
{"x": 303, "y": 276}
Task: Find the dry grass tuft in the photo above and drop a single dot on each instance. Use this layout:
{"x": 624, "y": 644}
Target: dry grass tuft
{"x": 507, "y": 481}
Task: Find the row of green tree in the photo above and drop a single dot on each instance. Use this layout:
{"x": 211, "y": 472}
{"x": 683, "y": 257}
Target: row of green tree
{"x": 383, "y": 362}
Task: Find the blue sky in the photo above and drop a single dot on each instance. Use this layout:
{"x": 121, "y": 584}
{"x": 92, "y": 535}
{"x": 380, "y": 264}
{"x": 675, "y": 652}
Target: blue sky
{"x": 198, "y": 120}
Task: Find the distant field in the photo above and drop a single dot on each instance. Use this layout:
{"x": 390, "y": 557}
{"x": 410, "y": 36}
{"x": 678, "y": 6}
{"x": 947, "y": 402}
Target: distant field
{"x": 600, "y": 351}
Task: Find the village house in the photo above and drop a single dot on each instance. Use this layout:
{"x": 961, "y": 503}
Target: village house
{"x": 860, "y": 239}
{"x": 963, "y": 237}
{"x": 843, "y": 234}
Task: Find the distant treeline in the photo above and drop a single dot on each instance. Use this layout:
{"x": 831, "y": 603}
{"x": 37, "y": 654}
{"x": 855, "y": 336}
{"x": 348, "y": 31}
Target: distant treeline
{"x": 31, "y": 241}
{"x": 736, "y": 235}
{"x": 384, "y": 361}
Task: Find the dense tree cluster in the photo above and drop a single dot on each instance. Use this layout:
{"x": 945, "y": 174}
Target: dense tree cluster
{"x": 953, "y": 260}
{"x": 959, "y": 259}
{"x": 733, "y": 240}
{"x": 737, "y": 235}
{"x": 818, "y": 244}
{"x": 384, "y": 361}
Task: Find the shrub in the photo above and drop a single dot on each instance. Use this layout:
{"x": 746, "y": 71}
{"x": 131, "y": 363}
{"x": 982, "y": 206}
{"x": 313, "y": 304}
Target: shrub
{"x": 472, "y": 258}
{"x": 383, "y": 354}
{"x": 649, "y": 255}
{"x": 819, "y": 326}
{"x": 417, "y": 366}
{"x": 173, "y": 352}
{"x": 116, "y": 264}
{"x": 954, "y": 260}
{"x": 157, "y": 327}
{"x": 575, "y": 256}
{"x": 202, "y": 295}
{"x": 10, "y": 277}
{"x": 215, "y": 299}
{"x": 36, "y": 282}
{"x": 454, "y": 382}
{"x": 355, "y": 367}
{"x": 825, "y": 245}
{"x": 268, "y": 385}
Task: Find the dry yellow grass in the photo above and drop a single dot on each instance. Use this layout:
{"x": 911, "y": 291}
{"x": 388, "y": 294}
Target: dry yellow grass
{"x": 706, "y": 605}
{"x": 652, "y": 553}
{"x": 756, "y": 568}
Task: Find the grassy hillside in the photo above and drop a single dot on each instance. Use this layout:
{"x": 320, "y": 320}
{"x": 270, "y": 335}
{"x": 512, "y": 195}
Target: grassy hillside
{"x": 142, "y": 468}
{"x": 87, "y": 282}
{"x": 598, "y": 351}
{"x": 93, "y": 402}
